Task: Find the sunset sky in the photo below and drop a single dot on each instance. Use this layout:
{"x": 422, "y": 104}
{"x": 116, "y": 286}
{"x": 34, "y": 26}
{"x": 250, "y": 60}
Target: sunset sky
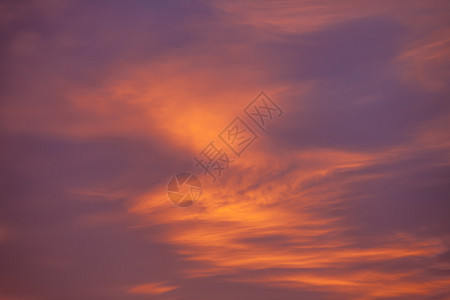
{"x": 345, "y": 196}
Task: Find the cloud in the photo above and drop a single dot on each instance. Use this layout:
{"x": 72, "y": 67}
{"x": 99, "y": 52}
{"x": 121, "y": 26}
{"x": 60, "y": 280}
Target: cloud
{"x": 152, "y": 288}
{"x": 345, "y": 197}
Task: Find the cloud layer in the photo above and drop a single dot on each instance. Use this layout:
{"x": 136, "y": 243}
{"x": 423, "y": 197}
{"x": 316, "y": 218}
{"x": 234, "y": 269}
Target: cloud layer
{"x": 345, "y": 197}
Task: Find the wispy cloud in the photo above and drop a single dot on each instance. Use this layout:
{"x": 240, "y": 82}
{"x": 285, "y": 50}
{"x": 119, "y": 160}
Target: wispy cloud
{"x": 152, "y": 288}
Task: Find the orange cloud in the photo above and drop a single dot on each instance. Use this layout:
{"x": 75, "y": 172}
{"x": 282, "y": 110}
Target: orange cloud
{"x": 231, "y": 229}
{"x": 427, "y": 60}
{"x": 155, "y": 288}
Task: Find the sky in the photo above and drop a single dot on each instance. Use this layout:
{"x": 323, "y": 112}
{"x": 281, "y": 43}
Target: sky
{"x": 345, "y": 195}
